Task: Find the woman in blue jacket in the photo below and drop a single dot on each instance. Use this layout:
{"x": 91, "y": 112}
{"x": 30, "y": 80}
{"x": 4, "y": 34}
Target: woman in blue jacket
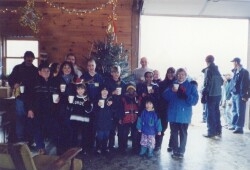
{"x": 180, "y": 101}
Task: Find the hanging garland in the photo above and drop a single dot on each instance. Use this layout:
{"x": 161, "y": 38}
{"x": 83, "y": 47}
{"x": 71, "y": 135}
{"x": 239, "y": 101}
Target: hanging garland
{"x": 31, "y": 17}
{"x": 3, "y": 11}
{"x": 78, "y": 11}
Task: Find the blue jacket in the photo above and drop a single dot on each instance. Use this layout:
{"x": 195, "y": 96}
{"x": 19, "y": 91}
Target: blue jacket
{"x": 180, "y": 108}
{"x": 149, "y": 123}
{"x": 94, "y": 84}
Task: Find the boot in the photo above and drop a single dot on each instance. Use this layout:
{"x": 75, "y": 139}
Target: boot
{"x": 143, "y": 150}
{"x": 98, "y": 146}
{"x": 150, "y": 152}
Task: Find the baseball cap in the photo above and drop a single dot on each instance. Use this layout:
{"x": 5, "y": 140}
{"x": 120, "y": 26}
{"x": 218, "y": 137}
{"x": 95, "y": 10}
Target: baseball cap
{"x": 236, "y": 59}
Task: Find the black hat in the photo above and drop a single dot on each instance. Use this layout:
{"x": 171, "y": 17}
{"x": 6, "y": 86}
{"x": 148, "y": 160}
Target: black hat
{"x": 236, "y": 59}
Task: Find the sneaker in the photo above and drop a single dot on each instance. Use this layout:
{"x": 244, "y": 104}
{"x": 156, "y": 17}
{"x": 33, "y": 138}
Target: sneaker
{"x": 98, "y": 151}
{"x": 170, "y": 149}
{"x": 180, "y": 155}
{"x": 231, "y": 128}
{"x": 177, "y": 155}
{"x": 238, "y": 131}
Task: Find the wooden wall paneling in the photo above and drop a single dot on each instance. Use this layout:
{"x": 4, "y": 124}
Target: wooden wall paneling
{"x": 61, "y": 32}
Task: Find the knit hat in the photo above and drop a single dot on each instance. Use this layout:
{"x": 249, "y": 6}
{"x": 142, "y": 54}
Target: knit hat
{"x": 131, "y": 87}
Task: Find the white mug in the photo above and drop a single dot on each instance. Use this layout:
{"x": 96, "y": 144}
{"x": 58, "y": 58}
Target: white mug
{"x": 101, "y": 101}
{"x": 62, "y": 87}
{"x": 176, "y": 86}
{"x": 55, "y": 98}
{"x": 119, "y": 90}
{"x": 71, "y": 99}
{"x": 21, "y": 89}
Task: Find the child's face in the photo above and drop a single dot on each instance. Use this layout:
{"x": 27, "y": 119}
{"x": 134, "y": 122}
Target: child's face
{"x": 149, "y": 106}
{"x": 131, "y": 91}
{"x": 149, "y": 77}
{"x": 104, "y": 93}
{"x": 66, "y": 69}
{"x": 80, "y": 91}
{"x": 44, "y": 72}
{"x": 115, "y": 75}
{"x": 156, "y": 75}
{"x": 91, "y": 66}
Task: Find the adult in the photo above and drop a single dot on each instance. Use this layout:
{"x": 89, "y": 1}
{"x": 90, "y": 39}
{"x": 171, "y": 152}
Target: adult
{"x": 64, "y": 82}
{"x": 180, "y": 101}
{"x": 138, "y": 73}
{"x": 163, "y": 85}
{"x": 212, "y": 88}
{"x": 93, "y": 80}
{"x": 240, "y": 95}
{"x": 72, "y": 58}
{"x": 24, "y": 74}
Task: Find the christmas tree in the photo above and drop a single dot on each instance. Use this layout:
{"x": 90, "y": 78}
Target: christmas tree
{"x": 107, "y": 54}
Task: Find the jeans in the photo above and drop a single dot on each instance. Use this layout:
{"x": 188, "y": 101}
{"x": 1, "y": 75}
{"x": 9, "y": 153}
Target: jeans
{"x": 227, "y": 113}
{"x": 213, "y": 115}
{"x": 20, "y": 120}
{"x": 179, "y": 137}
{"x": 238, "y": 112}
{"x": 204, "y": 112}
{"x": 102, "y": 139}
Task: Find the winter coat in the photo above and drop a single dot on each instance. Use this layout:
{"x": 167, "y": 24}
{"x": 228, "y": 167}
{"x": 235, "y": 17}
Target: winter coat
{"x": 93, "y": 83}
{"x": 240, "y": 83}
{"x": 81, "y": 109}
{"x": 149, "y": 123}
{"x": 180, "y": 103}
{"x": 111, "y": 84}
{"x": 212, "y": 81}
{"x": 103, "y": 116}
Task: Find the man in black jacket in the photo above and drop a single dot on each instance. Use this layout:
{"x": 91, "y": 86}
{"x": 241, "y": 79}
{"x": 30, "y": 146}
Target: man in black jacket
{"x": 212, "y": 88}
{"x": 24, "y": 74}
{"x": 240, "y": 95}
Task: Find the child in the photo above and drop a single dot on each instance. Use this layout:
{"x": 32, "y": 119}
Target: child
{"x": 148, "y": 90}
{"x": 131, "y": 108}
{"x": 149, "y": 125}
{"x": 117, "y": 88}
{"x": 80, "y": 117}
{"x": 103, "y": 120}
{"x": 40, "y": 108}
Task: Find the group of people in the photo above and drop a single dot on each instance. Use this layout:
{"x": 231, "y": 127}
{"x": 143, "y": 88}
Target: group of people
{"x": 232, "y": 94}
{"x": 73, "y": 108}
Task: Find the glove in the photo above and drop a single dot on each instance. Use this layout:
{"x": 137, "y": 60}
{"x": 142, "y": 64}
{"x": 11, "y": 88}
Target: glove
{"x": 181, "y": 93}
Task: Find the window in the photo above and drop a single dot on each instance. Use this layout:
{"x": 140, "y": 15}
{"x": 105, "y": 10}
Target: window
{"x": 15, "y": 50}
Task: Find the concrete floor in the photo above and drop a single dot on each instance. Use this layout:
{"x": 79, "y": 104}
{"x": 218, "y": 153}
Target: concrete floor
{"x": 229, "y": 152}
